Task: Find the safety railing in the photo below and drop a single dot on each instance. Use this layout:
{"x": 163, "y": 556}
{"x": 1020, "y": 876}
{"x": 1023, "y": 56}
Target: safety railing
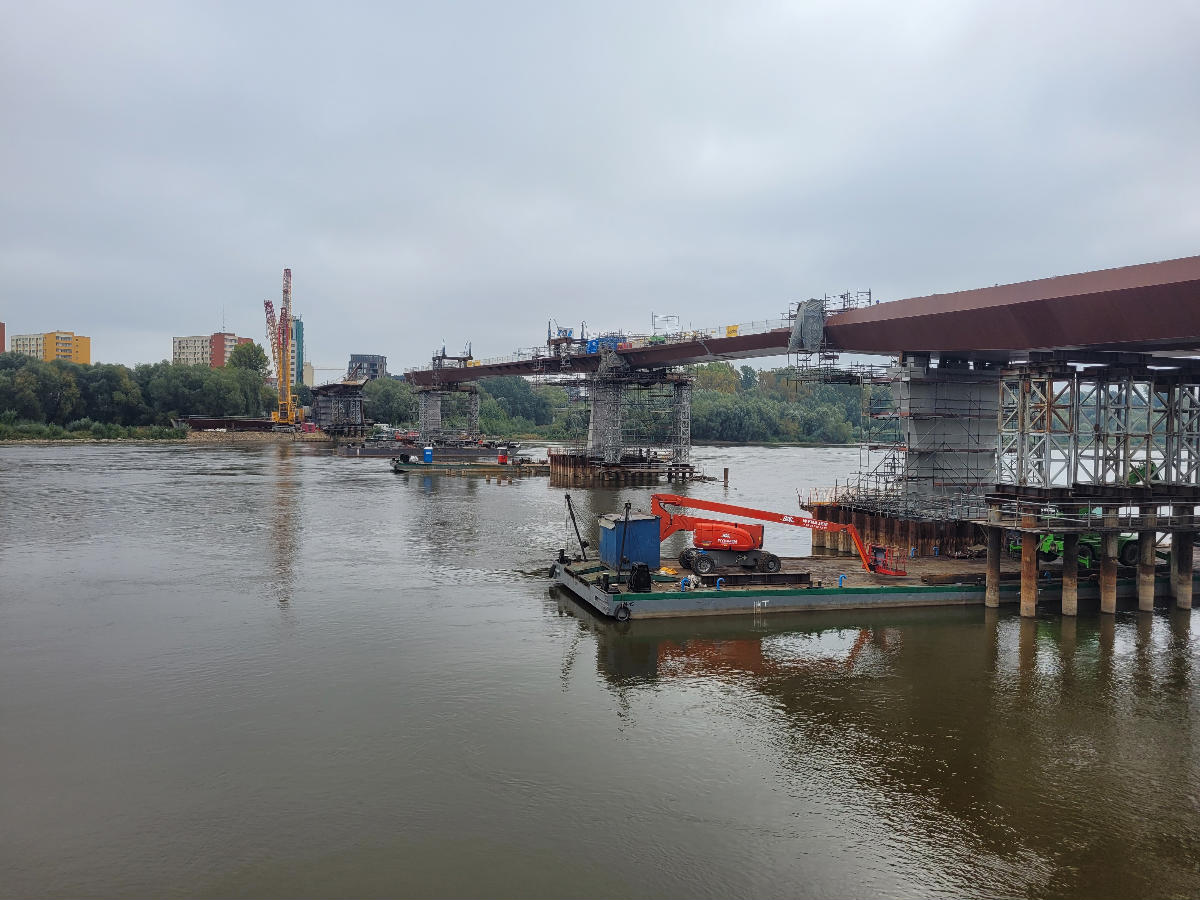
{"x": 634, "y": 342}
{"x": 1038, "y": 514}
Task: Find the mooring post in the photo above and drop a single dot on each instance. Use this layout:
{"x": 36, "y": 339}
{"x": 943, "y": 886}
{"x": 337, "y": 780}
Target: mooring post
{"x": 726, "y": 473}
{"x": 1108, "y": 563}
{"x": 1070, "y": 575}
{"x": 991, "y": 596}
{"x": 1029, "y": 573}
{"x": 1147, "y": 538}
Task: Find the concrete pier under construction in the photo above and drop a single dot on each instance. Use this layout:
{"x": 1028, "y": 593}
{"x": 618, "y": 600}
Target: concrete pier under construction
{"x": 1011, "y": 421}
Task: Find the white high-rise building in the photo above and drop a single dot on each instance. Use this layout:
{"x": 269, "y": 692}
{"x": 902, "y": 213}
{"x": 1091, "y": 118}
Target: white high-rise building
{"x": 191, "y": 351}
{"x": 29, "y": 344}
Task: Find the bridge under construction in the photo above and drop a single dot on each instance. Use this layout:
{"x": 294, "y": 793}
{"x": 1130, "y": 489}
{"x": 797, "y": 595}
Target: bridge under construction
{"x": 1048, "y": 411}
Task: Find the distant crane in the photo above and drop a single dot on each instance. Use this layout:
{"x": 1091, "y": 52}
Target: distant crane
{"x": 279, "y": 336}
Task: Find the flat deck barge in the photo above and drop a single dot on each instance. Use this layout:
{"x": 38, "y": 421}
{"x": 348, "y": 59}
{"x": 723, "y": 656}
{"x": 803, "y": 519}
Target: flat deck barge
{"x": 492, "y": 469}
{"x": 809, "y": 583}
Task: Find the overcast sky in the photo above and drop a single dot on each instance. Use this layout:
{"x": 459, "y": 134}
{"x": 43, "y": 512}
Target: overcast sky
{"x": 467, "y": 171}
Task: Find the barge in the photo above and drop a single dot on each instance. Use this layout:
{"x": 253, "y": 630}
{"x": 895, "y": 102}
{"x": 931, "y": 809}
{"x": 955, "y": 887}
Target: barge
{"x": 520, "y": 469}
{"x": 443, "y": 451}
{"x": 628, "y": 581}
{"x": 618, "y": 596}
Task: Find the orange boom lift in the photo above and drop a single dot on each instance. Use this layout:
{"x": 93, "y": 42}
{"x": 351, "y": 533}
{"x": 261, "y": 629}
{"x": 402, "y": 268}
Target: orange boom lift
{"x": 720, "y": 543}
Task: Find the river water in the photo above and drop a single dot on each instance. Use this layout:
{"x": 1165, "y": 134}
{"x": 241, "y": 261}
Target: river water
{"x": 273, "y": 672}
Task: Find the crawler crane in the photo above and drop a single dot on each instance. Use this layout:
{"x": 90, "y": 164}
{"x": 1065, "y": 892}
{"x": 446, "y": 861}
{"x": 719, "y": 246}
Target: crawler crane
{"x": 721, "y": 543}
{"x": 279, "y": 336}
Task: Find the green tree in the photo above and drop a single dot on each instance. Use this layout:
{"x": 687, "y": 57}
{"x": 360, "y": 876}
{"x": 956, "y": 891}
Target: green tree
{"x": 389, "y": 400}
{"x": 249, "y": 356}
{"x": 749, "y": 378}
{"x": 716, "y": 376}
{"x": 518, "y": 398}
{"x": 110, "y": 394}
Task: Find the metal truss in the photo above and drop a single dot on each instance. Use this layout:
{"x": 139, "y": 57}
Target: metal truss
{"x": 1112, "y": 427}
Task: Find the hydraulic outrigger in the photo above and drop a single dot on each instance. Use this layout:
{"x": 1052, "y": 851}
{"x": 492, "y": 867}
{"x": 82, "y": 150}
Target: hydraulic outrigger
{"x": 721, "y": 543}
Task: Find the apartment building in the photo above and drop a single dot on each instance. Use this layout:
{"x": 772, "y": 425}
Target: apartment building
{"x": 205, "y": 349}
{"x": 54, "y": 345}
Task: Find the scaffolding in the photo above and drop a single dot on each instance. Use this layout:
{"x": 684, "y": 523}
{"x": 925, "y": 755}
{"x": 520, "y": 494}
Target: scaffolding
{"x": 810, "y": 357}
{"x": 638, "y": 413}
{"x": 927, "y": 451}
{"x": 1062, "y": 426}
{"x": 431, "y": 423}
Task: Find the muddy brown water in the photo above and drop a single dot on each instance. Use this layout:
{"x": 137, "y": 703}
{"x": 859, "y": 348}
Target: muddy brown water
{"x": 268, "y": 671}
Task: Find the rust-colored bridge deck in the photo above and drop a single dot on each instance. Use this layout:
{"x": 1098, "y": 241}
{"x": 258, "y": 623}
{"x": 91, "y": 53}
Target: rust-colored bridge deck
{"x": 1141, "y": 309}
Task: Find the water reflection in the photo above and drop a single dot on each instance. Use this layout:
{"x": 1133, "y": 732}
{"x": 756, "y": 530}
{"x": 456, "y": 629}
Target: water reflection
{"x": 284, "y": 539}
{"x": 998, "y": 741}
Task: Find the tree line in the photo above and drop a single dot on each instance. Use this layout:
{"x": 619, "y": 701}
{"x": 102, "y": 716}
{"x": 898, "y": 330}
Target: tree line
{"x": 108, "y": 400}
{"x": 104, "y": 400}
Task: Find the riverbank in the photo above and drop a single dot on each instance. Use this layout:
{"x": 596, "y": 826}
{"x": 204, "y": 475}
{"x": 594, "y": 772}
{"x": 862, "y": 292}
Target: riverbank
{"x": 181, "y": 436}
{"x": 83, "y": 438}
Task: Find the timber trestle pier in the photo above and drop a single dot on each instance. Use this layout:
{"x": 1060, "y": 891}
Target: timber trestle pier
{"x": 573, "y": 468}
{"x": 1057, "y": 420}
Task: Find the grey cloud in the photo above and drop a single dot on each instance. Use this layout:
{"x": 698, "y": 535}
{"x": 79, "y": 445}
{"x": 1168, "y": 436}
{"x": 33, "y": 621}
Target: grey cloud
{"x": 468, "y": 170}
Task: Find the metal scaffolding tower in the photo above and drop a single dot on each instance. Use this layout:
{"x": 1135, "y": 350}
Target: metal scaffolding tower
{"x": 1113, "y": 426}
{"x": 430, "y": 421}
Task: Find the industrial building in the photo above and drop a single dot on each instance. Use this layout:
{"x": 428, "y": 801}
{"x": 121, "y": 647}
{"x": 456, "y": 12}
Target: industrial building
{"x": 366, "y": 365}
{"x": 205, "y": 350}
{"x": 54, "y": 345}
{"x": 3, "y": 346}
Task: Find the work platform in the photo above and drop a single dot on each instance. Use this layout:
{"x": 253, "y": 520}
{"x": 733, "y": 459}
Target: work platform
{"x": 818, "y": 583}
{"x": 570, "y": 468}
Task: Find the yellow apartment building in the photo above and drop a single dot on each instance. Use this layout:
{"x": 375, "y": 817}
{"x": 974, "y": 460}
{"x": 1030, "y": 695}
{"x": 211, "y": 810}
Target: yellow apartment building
{"x": 53, "y": 345}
